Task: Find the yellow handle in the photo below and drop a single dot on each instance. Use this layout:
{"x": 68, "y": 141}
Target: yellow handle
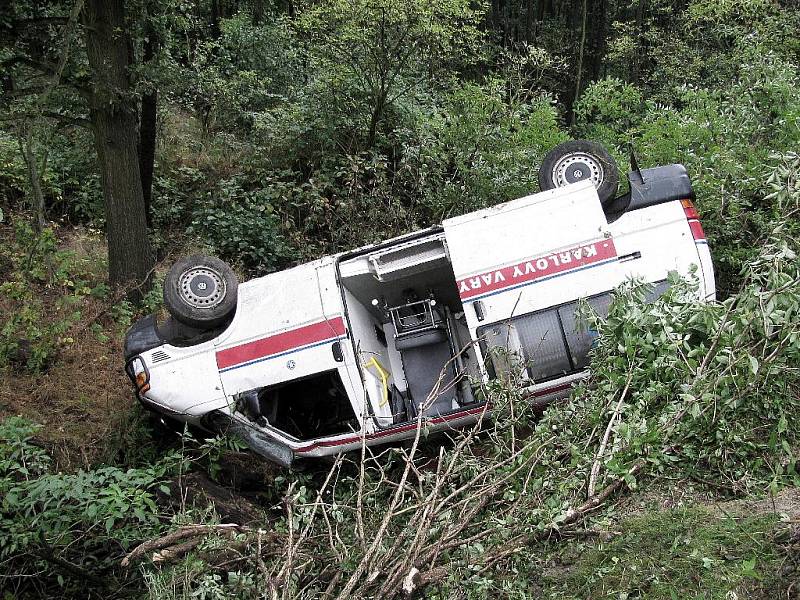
{"x": 384, "y": 375}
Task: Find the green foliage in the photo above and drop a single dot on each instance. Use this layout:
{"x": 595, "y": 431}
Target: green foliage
{"x": 194, "y": 580}
{"x": 480, "y": 150}
{"x": 231, "y": 79}
{"x": 70, "y": 183}
{"x": 29, "y": 337}
{"x": 371, "y": 55}
{"x": 708, "y": 389}
{"x": 241, "y": 226}
{"x": 677, "y": 553}
{"x": 609, "y": 107}
{"x": 87, "y": 518}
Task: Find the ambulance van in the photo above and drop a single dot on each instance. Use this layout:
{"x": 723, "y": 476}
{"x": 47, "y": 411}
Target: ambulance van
{"x": 359, "y": 347}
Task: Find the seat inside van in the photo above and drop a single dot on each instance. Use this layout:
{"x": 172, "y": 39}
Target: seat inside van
{"x": 406, "y": 315}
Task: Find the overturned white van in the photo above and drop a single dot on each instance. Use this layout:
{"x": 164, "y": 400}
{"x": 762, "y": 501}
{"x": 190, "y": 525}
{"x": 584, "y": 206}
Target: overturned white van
{"x": 358, "y": 347}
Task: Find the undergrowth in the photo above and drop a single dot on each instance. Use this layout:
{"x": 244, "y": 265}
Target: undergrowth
{"x": 677, "y": 553}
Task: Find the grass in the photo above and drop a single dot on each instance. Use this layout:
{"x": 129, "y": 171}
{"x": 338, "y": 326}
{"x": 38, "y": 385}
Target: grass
{"x": 680, "y": 553}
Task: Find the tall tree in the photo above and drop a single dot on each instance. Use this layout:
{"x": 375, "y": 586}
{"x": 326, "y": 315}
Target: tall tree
{"x": 385, "y": 50}
{"x": 43, "y": 79}
{"x": 112, "y": 109}
{"x": 148, "y": 116}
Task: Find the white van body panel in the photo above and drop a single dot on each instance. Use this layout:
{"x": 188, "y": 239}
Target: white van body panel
{"x": 184, "y": 382}
{"x": 507, "y": 267}
{"x": 503, "y": 260}
{"x": 284, "y": 327}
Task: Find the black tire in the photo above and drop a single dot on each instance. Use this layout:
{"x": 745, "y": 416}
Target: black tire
{"x": 200, "y": 291}
{"x": 578, "y": 160}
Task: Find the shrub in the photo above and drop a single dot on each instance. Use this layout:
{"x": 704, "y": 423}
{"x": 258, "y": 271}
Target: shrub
{"x": 478, "y": 150}
{"x": 71, "y": 526}
{"x": 241, "y": 226}
{"x": 35, "y": 326}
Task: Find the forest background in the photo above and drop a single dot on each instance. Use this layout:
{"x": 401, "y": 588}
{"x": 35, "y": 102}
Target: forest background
{"x": 271, "y": 133}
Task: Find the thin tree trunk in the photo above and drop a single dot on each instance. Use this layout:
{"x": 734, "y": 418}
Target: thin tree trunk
{"x": 147, "y": 130}
{"x": 580, "y": 65}
{"x": 215, "y": 18}
{"x": 147, "y": 150}
{"x": 641, "y": 8}
{"x": 113, "y": 116}
{"x": 598, "y": 38}
{"x": 37, "y": 196}
{"x": 530, "y": 30}
{"x": 377, "y": 113}
{"x": 258, "y": 12}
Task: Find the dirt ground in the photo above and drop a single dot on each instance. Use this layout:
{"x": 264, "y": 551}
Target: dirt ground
{"x": 82, "y": 398}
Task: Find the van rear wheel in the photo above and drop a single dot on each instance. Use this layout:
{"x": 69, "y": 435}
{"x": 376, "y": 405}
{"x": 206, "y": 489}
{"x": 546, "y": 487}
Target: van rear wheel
{"x": 200, "y": 291}
{"x": 579, "y": 160}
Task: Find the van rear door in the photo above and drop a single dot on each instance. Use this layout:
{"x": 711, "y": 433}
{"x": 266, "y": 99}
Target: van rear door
{"x": 536, "y": 252}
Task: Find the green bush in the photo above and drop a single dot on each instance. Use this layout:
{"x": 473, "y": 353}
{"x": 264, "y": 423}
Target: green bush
{"x": 36, "y": 327}
{"x": 241, "y": 226}
{"x": 70, "y": 182}
{"x": 699, "y": 389}
{"x": 477, "y": 150}
{"x": 676, "y": 553}
{"x": 84, "y": 520}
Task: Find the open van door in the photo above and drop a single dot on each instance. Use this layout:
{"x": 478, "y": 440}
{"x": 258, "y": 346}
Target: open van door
{"x": 523, "y": 256}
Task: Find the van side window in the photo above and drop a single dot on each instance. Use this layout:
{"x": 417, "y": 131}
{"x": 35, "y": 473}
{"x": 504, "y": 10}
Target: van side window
{"x": 543, "y": 345}
{"x": 549, "y": 343}
{"x": 304, "y": 408}
{"x": 534, "y": 343}
{"x": 579, "y": 335}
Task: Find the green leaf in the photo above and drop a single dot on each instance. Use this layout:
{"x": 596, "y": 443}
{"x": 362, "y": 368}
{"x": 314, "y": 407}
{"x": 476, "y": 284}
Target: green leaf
{"x": 753, "y": 364}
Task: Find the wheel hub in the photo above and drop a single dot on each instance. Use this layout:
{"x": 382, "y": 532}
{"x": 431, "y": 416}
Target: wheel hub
{"x": 201, "y": 287}
{"x": 577, "y": 167}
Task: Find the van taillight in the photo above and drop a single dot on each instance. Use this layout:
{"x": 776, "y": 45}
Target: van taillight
{"x": 694, "y": 220}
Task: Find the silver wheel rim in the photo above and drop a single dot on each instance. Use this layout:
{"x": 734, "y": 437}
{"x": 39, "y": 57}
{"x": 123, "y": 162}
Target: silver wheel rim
{"x": 566, "y": 170}
{"x": 201, "y": 287}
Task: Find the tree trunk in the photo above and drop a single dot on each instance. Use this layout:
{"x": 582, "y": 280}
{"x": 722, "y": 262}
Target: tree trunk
{"x": 28, "y": 151}
{"x": 377, "y": 111}
{"x": 530, "y": 20}
{"x": 147, "y": 150}
{"x": 147, "y": 129}
{"x": 598, "y": 38}
{"x": 579, "y": 75}
{"x": 258, "y": 12}
{"x": 215, "y": 18}
{"x": 113, "y": 116}
{"x": 641, "y": 9}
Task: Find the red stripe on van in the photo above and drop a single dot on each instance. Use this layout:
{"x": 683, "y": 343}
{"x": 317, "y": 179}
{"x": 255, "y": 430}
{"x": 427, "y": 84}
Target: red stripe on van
{"x": 536, "y": 268}
{"x": 413, "y": 425}
{"x": 391, "y": 430}
{"x": 281, "y": 342}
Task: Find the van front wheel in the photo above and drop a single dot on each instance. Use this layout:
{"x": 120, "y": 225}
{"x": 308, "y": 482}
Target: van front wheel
{"x": 579, "y": 160}
{"x": 200, "y": 291}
